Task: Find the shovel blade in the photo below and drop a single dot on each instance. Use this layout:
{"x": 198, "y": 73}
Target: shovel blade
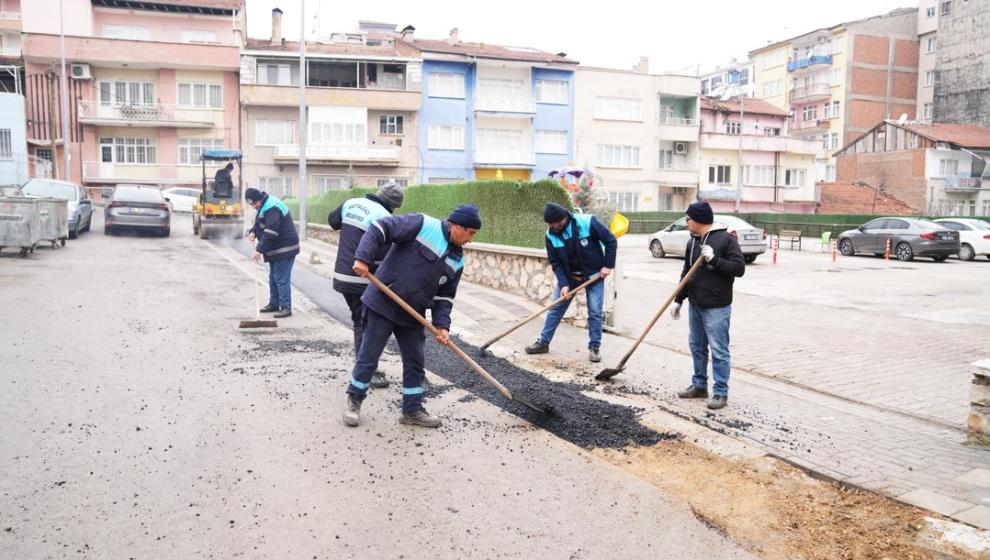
{"x": 545, "y": 410}
{"x": 257, "y": 324}
{"x": 608, "y": 373}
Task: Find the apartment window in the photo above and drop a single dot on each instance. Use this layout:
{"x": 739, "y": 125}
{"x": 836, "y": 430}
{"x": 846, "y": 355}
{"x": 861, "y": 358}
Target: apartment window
{"x": 445, "y": 180}
{"x": 128, "y": 150}
{"x": 498, "y": 88}
{"x": 770, "y": 89}
{"x": 499, "y": 140}
{"x": 126, "y": 93}
{"x": 131, "y": 32}
{"x": 551, "y": 141}
{"x": 704, "y": 87}
{"x": 716, "y": 81}
{"x": 274, "y": 133}
{"x": 6, "y": 147}
{"x": 327, "y": 183}
{"x": 191, "y": 149}
{"x": 743, "y": 77}
{"x": 551, "y": 91}
{"x": 832, "y": 110}
{"x": 836, "y": 76}
{"x": 719, "y": 174}
{"x": 382, "y": 181}
{"x": 931, "y": 44}
{"x": 946, "y": 7}
{"x": 390, "y": 125}
{"x": 445, "y": 84}
{"x": 948, "y": 167}
{"x": 930, "y": 12}
{"x": 275, "y": 74}
{"x": 733, "y": 127}
{"x": 773, "y": 59}
{"x": 338, "y": 133}
{"x": 771, "y": 131}
{"x": 927, "y": 111}
{"x": 617, "y": 156}
{"x": 810, "y": 113}
{"x": 279, "y": 186}
{"x": 200, "y": 96}
{"x": 830, "y": 173}
{"x": 794, "y": 177}
{"x": 833, "y": 141}
{"x": 445, "y": 138}
{"x": 665, "y": 201}
{"x": 986, "y": 207}
{"x": 624, "y": 201}
{"x": 199, "y": 36}
{"x": 929, "y": 78}
{"x": 617, "y": 108}
{"x": 666, "y": 159}
{"x": 759, "y": 175}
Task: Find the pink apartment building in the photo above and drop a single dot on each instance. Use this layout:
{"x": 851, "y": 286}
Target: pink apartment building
{"x": 151, "y": 85}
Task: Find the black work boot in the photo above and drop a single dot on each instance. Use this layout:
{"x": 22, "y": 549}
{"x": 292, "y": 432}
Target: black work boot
{"x": 717, "y": 402}
{"x": 352, "y": 411}
{"x": 269, "y": 308}
{"x": 537, "y": 348}
{"x": 283, "y": 314}
{"x": 593, "y": 355}
{"x": 693, "y": 392}
{"x": 378, "y": 380}
{"x": 420, "y": 418}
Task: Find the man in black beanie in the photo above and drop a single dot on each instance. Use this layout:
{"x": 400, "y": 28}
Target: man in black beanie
{"x": 578, "y": 246}
{"x": 710, "y": 292}
{"x": 423, "y": 266}
{"x": 278, "y": 244}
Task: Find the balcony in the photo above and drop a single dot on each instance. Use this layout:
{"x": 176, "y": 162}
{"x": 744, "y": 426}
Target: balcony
{"x": 359, "y": 155}
{"x": 758, "y": 143}
{"x": 10, "y": 52}
{"x": 807, "y": 94}
{"x": 288, "y": 96}
{"x": 717, "y": 193}
{"x": 677, "y": 129}
{"x": 812, "y": 126}
{"x": 811, "y": 61}
{"x": 10, "y": 21}
{"x": 42, "y": 49}
{"x": 490, "y": 158}
{"x": 149, "y": 174}
{"x": 154, "y": 116}
{"x": 520, "y": 105}
{"x": 958, "y": 184}
{"x": 678, "y": 175}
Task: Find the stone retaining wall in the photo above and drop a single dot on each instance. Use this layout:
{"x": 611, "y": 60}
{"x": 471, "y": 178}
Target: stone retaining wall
{"x": 979, "y": 403}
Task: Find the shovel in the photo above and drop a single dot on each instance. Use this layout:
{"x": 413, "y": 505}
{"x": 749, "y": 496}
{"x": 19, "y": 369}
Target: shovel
{"x": 258, "y": 322}
{"x": 571, "y": 294}
{"x": 450, "y": 344}
{"x": 609, "y": 373}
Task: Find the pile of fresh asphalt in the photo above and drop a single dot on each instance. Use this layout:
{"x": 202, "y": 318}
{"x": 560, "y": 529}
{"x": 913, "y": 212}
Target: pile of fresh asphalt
{"x": 582, "y": 420}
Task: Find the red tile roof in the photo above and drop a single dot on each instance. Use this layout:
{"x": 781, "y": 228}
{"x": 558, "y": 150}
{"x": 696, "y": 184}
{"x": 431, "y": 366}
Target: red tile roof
{"x": 965, "y": 135}
{"x": 485, "y": 50}
{"x": 859, "y": 198}
{"x": 755, "y": 106}
{"x": 393, "y": 50}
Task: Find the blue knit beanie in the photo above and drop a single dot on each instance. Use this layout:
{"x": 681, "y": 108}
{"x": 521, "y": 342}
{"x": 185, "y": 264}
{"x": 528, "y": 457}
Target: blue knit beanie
{"x": 253, "y": 195}
{"x": 466, "y": 215}
{"x": 701, "y": 212}
{"x": 553, "y": 213}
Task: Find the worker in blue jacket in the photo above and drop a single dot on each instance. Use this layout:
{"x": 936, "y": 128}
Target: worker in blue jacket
{"x": 423, "y": 267}
{"x": 278, "y": 244}
{"x": 578, "y": 246}
{"x": 352, "y": 219}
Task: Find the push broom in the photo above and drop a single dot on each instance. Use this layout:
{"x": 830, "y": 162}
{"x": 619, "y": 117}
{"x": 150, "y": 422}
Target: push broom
{"x": 258, "y": 322}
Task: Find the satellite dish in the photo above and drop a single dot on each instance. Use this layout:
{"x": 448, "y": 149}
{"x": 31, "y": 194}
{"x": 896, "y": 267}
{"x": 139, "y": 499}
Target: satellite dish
{"x": 902, "y": 119}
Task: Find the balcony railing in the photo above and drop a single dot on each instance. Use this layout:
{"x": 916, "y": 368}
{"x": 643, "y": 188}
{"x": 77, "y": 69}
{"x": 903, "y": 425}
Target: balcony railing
{"x": 502, "y": 157}
{"x": 814, "y": 124}
{"x": 676, "y": 121}
{"x": 340, "y": 153}
{"x": 809, "y": 62}
{"x": 10, "y": 52}
{"x": 152, "y": 115}
{"x": 145, "y": 173}
{"x": 808, "y": 93}
{"x": 505, "y": 104}
{"x": 955, "y": 183}
{"x": 16, "y": 16}
{"x": 759, "y": 143}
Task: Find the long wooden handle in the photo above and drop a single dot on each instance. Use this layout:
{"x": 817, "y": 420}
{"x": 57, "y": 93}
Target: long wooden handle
{"x": 422, "y": 320}
{"x": 583, "y": 285}
{"x": 257, "y": 299}
{"x": 687, "y": 278}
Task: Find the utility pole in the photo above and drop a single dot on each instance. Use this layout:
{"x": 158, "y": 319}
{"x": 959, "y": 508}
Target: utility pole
{"x": 742, "y": 128}
{"x": 302, "y": 120}
{"x": 50, "y": 76}
{"x": 64, "y": 94}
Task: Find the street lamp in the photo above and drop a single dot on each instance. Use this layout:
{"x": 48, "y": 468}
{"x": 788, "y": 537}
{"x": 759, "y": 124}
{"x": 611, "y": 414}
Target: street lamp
{"x": 734, "y": 81}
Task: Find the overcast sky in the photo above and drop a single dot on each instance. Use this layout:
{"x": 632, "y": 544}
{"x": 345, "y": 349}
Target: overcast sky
{"x": 675, "y": 35}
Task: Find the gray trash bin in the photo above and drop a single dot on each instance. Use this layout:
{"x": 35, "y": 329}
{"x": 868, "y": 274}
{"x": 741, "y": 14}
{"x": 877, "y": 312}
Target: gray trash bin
{"x": 20, "y": 223}
{"x": 54, "y": 217}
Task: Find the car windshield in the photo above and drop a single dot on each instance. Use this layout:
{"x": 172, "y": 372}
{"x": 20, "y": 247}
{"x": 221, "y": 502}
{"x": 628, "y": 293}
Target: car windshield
{"x": 47, "y": 188}
{"x": 138, "y": 194}
{"x": 979, "y": 224}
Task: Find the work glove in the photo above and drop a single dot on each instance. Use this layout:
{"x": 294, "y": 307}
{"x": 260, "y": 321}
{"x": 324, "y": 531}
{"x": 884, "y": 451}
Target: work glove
{"x": 707, "y": 252}
{"x": 675, "y": 313}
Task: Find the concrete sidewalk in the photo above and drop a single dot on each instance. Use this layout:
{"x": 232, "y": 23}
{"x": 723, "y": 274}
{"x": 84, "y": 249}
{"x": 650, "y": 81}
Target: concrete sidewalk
{"x": 910, "y": 459}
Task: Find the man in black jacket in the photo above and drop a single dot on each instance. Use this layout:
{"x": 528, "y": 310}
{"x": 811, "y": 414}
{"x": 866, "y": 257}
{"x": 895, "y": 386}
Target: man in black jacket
{"x": 710, "y": 292}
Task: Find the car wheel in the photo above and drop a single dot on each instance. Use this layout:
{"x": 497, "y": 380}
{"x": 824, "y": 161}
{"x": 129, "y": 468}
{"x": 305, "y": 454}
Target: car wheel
{"x": 166, "y": 232}
{"x": 195, "y": 228}
{"x": 74, "y": 233}
{"x": 750, "y": 259}
{"x": 107, "y": 230}
{"x": 656, "y": 249}
{"x": 940, "y": 258}
{"x": 846, "y": 247}
{"x": 966, "y": 252}
{"x": 904, "y": 252}
{"x": 89, "y": 223}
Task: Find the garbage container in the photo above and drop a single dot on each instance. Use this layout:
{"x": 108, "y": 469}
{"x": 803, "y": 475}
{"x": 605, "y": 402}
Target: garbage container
{"x": 20, "y": 223}
{"x": 54, "y": 218}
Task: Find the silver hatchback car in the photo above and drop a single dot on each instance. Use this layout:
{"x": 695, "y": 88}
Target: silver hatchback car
{"x": 909, "y": 238}
{"x": 137, "y": 207}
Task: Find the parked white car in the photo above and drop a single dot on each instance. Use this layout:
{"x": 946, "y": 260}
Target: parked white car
{"x": 673, "y": 239}
{"x": 181, "y": 199}
{"x": 974, "y": 236}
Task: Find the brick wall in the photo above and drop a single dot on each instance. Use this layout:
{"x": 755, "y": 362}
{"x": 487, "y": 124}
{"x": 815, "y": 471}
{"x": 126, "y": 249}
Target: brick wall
{"x": 866, "y": 81}
{"x": 864, "y": 115}
{"x": 841, "y": 197}
{"x": 901, "y": 174}
{"x": 905, "y": 85}
{"x": 871, "y": 50}
{"x": 906, "y": 53}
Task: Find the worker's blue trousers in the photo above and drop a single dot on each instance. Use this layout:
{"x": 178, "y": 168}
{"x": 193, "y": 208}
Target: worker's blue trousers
{"x": 411, "y": 340}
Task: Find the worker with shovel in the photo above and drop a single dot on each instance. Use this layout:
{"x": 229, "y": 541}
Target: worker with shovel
{"x": 578, "y": 246}
{"x": 278, "y": 244}
{"x": 423, "y": 268}
{"x": 710, "y": 292}
{"x": 353, "y": 218}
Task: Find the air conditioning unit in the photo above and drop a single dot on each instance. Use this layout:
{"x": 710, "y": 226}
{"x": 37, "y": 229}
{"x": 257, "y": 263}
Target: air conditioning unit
{"x": 80, "y": 72}
{"x": 398, "y": 141}
{"x": 680, "y": 190}
{"x": 680, "y": 148}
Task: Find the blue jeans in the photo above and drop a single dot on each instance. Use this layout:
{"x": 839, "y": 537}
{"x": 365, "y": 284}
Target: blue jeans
{"x": 710, "y": 328}
{"x": 280, "y": 283}
{"x": 596, "y": 300}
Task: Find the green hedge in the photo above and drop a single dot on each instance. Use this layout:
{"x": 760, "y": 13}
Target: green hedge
{"x": 511, "y": 211}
